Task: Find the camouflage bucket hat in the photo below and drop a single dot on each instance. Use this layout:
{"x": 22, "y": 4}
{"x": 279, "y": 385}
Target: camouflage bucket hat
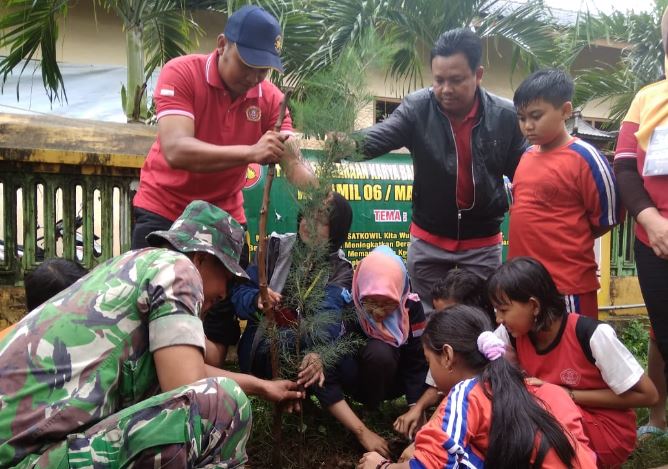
{"x": 203, "y": 227}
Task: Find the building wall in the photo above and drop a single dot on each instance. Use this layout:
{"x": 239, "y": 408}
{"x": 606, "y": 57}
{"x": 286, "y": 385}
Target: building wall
{"x": 91, "y": 35}
{"x": 498, "y": 76}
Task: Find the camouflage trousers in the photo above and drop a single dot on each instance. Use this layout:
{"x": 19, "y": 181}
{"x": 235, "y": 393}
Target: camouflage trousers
{"x": 204, "y": 425}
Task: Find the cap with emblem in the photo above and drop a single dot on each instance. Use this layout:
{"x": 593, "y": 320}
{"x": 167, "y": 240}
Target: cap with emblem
{"x": 203, "y": 227}
{"x": 257, "y": 35}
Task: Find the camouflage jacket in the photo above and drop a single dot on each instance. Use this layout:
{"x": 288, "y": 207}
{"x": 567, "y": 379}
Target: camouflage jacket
{"x": 87, "y": 353}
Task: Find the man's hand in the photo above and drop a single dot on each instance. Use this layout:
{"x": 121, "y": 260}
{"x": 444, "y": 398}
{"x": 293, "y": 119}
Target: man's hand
{"x": 657, "y": 230}
{"x": 292, "y": 153}
{"x": 372, "y": 441}
{"x": 274, "y": 299}
{"x": 370, "y": 460}
{"x": 269, "y": 148}
{"x": 407, "y": 423}
{"x": 280, "y": 390}
{"x": 311, "y": 371}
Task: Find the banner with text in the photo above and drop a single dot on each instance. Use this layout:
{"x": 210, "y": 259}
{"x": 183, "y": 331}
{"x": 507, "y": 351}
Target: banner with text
{"x": 380, "y": 192}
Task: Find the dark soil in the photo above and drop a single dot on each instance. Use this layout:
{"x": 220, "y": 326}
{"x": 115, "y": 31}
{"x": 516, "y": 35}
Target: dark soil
{"x": 324, "y": 443}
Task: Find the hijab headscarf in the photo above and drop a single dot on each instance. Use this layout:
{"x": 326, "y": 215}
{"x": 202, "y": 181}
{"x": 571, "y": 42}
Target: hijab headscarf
{"x": 383, "y": 273}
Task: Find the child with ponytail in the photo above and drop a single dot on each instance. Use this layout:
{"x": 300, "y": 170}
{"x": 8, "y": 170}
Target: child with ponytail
{"x": 460, "y": 286}
{"x": 578, "y": 353}
{"x": 491, "y": 417}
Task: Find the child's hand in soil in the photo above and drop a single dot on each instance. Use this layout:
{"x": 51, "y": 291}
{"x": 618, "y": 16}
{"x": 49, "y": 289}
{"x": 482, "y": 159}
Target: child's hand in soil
{"x": 407, "y": 423}
{"x": 370, "y": 460}
{"x": 372, "y": 441}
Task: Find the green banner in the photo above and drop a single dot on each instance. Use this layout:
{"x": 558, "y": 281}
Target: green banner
{"x": 379, "y": 191}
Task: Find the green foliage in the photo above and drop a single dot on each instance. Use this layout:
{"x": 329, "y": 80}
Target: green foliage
{"x": 170, "y": 34}
{"x": 641, "y": 63}
{"x": 393, "y": 34}
{"x": 330, "y": 101}
{"x": 164, "y": 28}
{"x": 26, "y": 28}
{"x": 635, "y": 337}
{"x": 410, "y": 30}
{"x": 651, "y": 451}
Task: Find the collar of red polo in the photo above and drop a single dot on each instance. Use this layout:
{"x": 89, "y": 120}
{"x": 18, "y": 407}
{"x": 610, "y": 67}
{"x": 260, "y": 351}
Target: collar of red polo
{"x": 213, "y": 77}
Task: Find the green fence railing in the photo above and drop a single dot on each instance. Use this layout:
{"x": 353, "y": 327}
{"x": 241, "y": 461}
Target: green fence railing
{"x": 622, "y": 259}
{"x": 58, "y": 210}
{"x": 66, "y": 187}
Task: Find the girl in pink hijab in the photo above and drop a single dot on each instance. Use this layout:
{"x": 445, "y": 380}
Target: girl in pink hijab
{"x": 380, "y": 291}
{"x": 391, "y": 363}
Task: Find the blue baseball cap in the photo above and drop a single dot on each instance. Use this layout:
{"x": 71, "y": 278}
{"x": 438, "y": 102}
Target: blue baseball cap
{"x": 257, "y": 35}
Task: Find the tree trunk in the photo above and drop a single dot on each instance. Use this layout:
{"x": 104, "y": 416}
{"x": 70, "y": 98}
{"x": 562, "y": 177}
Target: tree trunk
{"x": 134, "y": 102}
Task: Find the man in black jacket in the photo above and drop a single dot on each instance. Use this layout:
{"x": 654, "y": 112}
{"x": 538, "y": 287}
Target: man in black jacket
{"x": 463, "y": 140}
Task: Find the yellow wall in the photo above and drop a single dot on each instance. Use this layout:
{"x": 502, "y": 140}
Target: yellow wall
{"x": 90, "y": 35}
{"x": 617, "y": 291}
{"x": 496, "y": 77}
{"x": 626, "y": 291}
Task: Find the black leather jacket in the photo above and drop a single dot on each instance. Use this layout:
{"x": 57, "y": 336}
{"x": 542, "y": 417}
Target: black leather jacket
{"x": 496, "y": 146}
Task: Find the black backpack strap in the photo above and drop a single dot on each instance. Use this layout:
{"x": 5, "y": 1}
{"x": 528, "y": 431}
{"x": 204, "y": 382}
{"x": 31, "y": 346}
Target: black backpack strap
{"x": 584, "y": 329}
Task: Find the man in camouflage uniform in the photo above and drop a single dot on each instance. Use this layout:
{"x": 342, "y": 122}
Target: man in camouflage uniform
{"x": 80, "y": 375}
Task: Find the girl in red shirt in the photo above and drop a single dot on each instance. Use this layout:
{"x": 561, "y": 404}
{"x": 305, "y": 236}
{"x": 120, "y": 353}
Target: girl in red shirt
{"x": 576, "y": 352}
{"x": 491, "y": 417}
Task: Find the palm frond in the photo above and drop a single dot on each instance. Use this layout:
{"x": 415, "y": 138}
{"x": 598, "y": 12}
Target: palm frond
{"x": 344, "y": 23}
{"x": 168, "y": 34}
{"x": 28, "y": 28}
{"x": 303, "y": 30}
{"x": 219, "y": 6}
{"x": 528, "y": 28}
{"x": 641, "y": 63}
{"x": 615, "y": 86}
{"x": 410, "y": 29}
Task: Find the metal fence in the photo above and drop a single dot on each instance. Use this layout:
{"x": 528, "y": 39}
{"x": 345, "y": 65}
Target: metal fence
{"x": 622, "y": 259}
{"x": 76, "y": 211}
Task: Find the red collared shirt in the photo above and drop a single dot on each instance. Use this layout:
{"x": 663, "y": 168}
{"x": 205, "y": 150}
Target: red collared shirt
{"x": 191, "y": 86}
{"x": 461, "y": 131}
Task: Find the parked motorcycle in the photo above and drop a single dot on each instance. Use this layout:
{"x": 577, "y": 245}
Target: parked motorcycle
{"x": 79, "y": 242}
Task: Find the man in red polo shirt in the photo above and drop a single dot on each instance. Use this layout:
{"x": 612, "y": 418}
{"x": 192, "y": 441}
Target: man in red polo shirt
{"x": 463, "y": 140}
{"x": 216, "y": 115}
